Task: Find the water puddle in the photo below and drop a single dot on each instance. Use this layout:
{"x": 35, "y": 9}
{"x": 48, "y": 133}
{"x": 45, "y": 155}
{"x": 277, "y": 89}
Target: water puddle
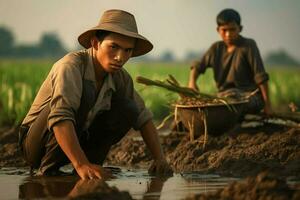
{"x": 17, "y": 184}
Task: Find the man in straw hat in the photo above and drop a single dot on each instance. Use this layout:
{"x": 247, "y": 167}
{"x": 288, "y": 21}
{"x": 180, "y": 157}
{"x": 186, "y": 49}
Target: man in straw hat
{"x": 88, "y": 103}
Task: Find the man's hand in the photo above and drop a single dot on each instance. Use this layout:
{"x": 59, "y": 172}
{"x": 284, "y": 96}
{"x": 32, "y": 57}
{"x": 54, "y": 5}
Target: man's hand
{"x": 92, "y": 171}
{"x": 67, "y": 139}
{"x": 160, "y": 167}
{"x": 150, "y": 136}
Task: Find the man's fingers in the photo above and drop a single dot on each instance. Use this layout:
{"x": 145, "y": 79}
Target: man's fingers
{"x": 152, "y": 167}
{"x": 85, "y": 177}
{"x": 98, "y": 175}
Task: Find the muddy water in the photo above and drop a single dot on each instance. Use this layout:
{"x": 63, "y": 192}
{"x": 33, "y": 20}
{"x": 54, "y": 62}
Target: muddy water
{"x": 16, "y": 183}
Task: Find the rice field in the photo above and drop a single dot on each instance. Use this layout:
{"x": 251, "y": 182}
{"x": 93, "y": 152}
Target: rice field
{"x": 21, "y": 79}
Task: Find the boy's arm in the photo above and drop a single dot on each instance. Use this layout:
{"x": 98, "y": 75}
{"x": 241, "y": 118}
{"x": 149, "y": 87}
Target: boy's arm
{"x": 193, "y": 79}
{"x": 66, "y": 137}
{"x": 150, "y": 136}
{"x": 265, "y": 94}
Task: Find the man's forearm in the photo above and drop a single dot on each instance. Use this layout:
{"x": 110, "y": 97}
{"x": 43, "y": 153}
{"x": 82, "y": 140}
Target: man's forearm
{"x": 150, "y": 136}
{"x": 67, "y": 139}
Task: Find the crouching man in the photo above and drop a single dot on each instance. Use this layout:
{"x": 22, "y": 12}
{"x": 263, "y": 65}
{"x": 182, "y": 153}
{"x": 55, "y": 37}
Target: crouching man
{"x": 88, "y": 102}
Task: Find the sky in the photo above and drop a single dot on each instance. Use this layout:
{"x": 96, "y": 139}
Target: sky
{"x": 177, "y": 25}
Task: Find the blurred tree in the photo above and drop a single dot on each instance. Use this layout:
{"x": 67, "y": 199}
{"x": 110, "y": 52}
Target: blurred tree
{"x": 27, "y": 51}
{"x": 281, "y": 57}
{"x": 192, "y": 55}
{"x": 167, "y": 56}
{"x": 6, "y": 41}
{"x": 51, "y": 46}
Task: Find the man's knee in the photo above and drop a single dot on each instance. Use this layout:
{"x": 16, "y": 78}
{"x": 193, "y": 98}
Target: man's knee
{"x": 126, "y": 109}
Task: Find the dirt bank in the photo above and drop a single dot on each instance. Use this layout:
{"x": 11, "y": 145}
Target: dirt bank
{"x": 10, "y": 155}
{"x": 242, "y": 152}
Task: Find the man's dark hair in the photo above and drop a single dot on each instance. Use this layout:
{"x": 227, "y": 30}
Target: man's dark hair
{"x": 101, "y": 34}
{"x": 227, "y": 16}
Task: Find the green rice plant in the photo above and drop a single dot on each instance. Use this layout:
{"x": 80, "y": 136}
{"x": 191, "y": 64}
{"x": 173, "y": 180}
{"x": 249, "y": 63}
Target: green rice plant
{"x": 158, "y": 100}
{"x": 283, "y": 86}
{"x": 21, "y": 79}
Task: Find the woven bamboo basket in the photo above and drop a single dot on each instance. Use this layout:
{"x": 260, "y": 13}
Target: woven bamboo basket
{"x": 212, "y": 119}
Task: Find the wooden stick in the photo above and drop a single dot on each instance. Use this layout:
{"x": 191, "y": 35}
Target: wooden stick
{"x": 172, "y": 87}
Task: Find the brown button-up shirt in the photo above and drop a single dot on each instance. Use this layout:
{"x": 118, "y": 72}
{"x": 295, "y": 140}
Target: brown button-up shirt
{"x": 63, "y": 89}
{"x": 242, "y": 68}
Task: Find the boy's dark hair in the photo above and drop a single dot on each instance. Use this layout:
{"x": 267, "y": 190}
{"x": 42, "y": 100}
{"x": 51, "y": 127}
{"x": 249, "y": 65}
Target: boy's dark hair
{"x": 101, "y": 34}
{"x": 227, "y": 16}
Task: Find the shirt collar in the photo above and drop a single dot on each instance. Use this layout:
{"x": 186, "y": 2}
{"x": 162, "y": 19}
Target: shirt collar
{"x": 108, "y": 82}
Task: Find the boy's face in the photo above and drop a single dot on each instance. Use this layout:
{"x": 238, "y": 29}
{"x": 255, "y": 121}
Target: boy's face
{"x": 113, "y": 51}
{"x": 229, "y": 32}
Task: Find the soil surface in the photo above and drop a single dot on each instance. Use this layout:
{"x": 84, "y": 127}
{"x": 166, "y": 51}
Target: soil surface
{"x": 239, "y": 152}
{"x": 10, "y": 154}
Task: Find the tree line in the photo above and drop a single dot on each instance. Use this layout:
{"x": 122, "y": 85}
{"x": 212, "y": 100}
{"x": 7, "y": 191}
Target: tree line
{"x": 48, "y": 46}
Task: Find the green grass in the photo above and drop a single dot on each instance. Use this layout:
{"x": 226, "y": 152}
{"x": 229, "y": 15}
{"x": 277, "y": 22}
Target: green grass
{"x": 21, "y": 79}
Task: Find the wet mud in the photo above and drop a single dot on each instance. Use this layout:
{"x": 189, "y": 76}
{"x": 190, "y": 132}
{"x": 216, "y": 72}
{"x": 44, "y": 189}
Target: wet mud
{"x": 242, "y": 153}
{"x": 238, "y": 153}
{"x": 10, "y": 154}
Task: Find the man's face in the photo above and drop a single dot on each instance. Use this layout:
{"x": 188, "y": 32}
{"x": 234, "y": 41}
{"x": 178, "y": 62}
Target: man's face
{"x": 229, "y": 32}
{"x": 114, "y": 51}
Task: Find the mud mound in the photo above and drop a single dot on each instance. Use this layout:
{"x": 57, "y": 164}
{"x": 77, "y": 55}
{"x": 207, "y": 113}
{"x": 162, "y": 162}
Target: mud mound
{"x": 10, "y": 155}
{"x": 263, "y": 186}
{"x": 132, "y": 151}
{"x": 242, "y": 153}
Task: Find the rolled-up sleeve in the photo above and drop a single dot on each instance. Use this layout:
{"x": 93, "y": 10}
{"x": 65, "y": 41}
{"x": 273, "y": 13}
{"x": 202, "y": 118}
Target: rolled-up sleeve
{"x": 66, "y": 85}
{"x": 261, "y": 78}
{"x": 206, "y": 61}
{"x": 255, "y": 60}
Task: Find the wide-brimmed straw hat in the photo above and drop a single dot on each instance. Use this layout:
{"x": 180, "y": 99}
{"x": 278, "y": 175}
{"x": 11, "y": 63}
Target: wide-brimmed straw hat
{"x": 121, "y": 22}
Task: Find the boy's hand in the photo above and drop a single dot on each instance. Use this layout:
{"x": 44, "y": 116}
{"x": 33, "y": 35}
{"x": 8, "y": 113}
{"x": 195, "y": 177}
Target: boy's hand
{"x": 160, "y": 167}
{"x": 268, "y": 110}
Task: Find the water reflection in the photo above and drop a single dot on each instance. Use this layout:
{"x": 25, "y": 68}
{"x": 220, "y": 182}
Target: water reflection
{"x": 38, "y": 187}
{"x": 138, "y": 183}
{"x": 154, "y": 188}
{"x": 41, "y": 187}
